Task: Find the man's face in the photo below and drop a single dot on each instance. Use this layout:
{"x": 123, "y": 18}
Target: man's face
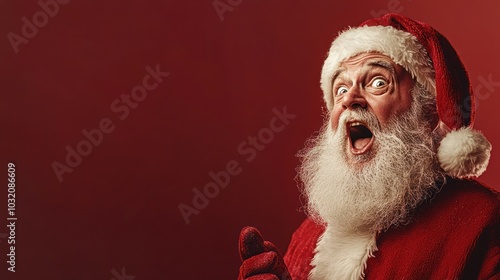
{"x": 371, "y": 82}
{"x": 375, "y": 158}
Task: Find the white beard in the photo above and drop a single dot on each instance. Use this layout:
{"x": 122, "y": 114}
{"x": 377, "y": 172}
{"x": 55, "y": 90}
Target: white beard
{"x": 357, "y": 201}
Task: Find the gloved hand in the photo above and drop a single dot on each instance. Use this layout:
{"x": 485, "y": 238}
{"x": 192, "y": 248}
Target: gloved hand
{"x": 261, "y": 259}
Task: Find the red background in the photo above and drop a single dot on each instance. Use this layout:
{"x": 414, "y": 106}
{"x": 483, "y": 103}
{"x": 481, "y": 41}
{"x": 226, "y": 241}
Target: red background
{"x": 119, "y": 207}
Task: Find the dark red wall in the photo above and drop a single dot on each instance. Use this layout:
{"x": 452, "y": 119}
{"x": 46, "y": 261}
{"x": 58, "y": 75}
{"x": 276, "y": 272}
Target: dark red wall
{"x": 119, "y": 206}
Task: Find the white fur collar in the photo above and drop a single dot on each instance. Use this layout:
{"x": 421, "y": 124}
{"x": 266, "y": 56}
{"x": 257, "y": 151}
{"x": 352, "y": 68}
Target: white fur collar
{"x": 342, "y": 255}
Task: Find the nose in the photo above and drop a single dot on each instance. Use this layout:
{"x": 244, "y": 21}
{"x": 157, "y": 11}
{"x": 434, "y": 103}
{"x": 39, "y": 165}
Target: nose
{"x": 353, "y": 99}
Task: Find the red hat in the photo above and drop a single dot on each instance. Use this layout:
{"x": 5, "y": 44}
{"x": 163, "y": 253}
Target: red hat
{"x": 431, "y": 60}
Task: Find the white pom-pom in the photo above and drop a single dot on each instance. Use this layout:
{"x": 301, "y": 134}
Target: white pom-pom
{"x": 464, "y": 153}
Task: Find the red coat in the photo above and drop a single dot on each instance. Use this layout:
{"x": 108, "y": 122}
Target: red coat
{"x": 454, "y": 236}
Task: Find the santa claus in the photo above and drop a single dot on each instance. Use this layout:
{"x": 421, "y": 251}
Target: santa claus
{"x": 389, "y": 180}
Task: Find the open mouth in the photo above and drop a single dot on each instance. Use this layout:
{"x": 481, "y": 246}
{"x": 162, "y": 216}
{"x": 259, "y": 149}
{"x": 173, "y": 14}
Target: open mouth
{"x": 361, "y": 138}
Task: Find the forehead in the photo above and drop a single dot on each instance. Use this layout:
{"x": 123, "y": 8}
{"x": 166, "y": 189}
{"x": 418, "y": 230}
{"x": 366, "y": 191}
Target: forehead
{"x": 365, "y": 58}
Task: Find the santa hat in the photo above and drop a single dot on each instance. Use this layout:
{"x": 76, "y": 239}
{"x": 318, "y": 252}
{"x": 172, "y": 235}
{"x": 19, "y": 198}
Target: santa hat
{"x": 431, "y": 60}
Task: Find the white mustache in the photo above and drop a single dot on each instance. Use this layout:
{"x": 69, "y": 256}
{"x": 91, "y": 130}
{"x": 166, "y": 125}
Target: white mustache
{"x": 364, "y": 116}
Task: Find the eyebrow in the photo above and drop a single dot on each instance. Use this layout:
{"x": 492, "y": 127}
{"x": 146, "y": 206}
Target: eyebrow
{"x": 383, "y": 64}
{"x": 336, "y": 74}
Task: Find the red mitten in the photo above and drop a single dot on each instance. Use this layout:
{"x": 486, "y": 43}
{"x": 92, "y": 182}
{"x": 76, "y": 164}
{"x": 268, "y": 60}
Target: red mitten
{"x": 261, "y": 259}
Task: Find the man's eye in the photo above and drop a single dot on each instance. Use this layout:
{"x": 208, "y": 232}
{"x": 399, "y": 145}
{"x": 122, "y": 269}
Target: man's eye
{"x": 377, "y": 83}
{"x": 341, "y": 90}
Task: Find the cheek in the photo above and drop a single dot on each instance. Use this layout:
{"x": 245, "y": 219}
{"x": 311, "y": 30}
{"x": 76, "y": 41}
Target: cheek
{"x": 384, "y": 113}
{"x": 334, "y": 118}
{"x": 389, "y": 108}
{"x": 394, "y": 104}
